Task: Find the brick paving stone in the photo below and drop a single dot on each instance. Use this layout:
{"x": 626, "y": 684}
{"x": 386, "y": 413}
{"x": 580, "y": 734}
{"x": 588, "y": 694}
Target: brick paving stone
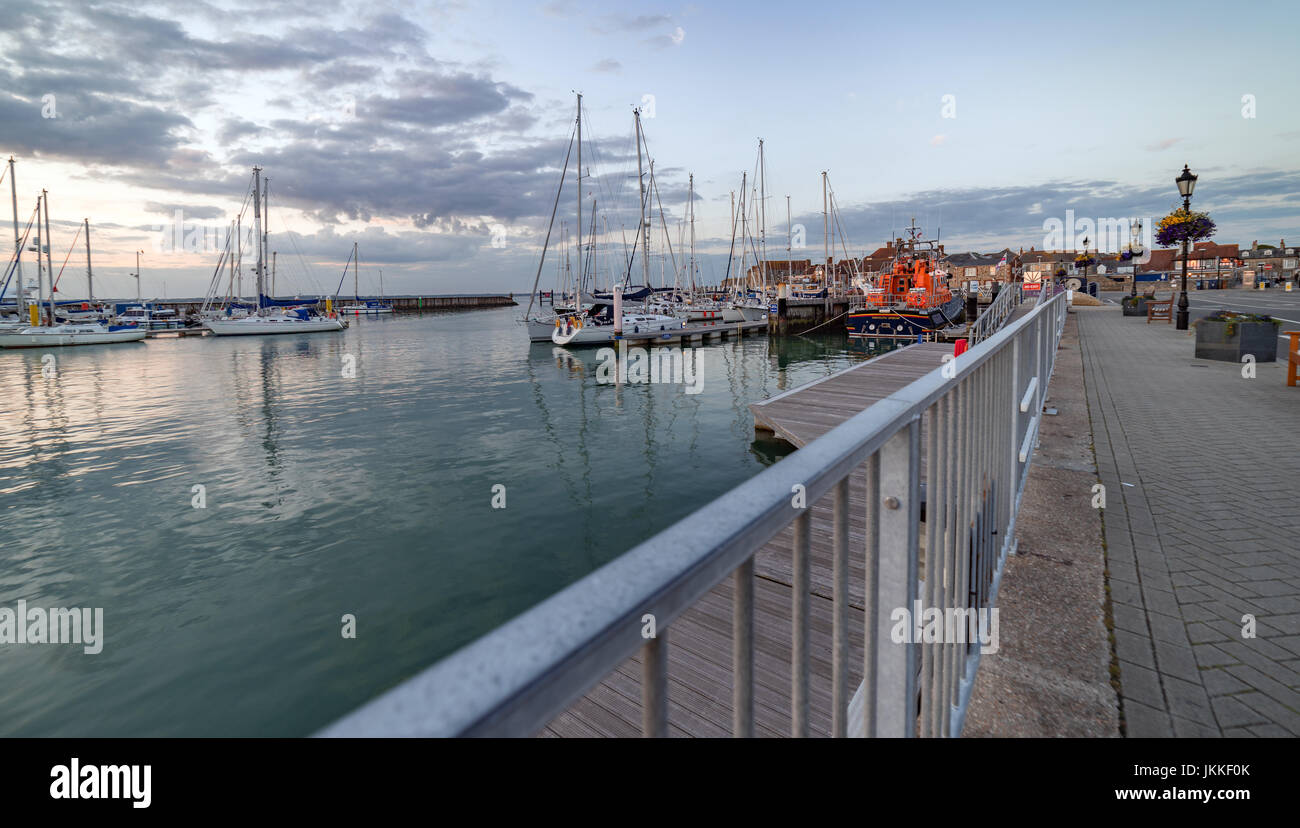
{"x": 1192, "y": 548}
{"x": 1232, "y": 713}
{"x": 1143, "y": 721}
{"x": 1219, "y": 682}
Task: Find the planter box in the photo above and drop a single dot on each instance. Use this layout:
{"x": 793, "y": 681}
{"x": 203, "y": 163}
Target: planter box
{"x": 1140, "y": 309}
{"x": 1258, "y": 339}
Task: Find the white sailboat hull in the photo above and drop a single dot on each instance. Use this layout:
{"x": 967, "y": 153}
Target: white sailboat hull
{"x": 65, "y": 335}
{"x": 256, "y": 325}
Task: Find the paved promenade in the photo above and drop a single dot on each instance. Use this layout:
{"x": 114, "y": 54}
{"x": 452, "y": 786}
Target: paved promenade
{"x": 1202, "y": 526}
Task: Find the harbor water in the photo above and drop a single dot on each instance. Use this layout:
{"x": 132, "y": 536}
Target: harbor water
{"x": 227, "y": 501}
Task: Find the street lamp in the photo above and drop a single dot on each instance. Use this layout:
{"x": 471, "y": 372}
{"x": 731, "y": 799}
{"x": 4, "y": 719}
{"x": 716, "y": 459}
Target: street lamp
{"x": 1186, "y": 183}
{"x": 1133, "y": 256}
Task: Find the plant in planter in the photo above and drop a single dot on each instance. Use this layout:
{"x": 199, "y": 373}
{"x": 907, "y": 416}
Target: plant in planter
{"x": 1134, "y": 305}
{"x": 1183, "y": 225}
{"x": 1229, "y": 337}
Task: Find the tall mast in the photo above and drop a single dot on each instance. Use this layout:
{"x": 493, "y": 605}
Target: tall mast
{"x": 90, "y": 276}
{"x": 645, "y": 224}
{"x": 577, "y": 290}
{"x": 234, "y": 244}
{"x": 744, "y": 224}
{"x": 239, "y": 255}
{"x": 272, "y": 273}
{"x": 762, "y": 206}
{"x": 21, "y": 295}
{"x": 826, "y": 239}
{"x": 40, "y": 266}
{"x": 257, "y": 228}
{"x": 139, "y": 297}
{"x": 691, "y": 199}
{"x": 49, "y": 263}
{"x": 356, "y": 273}
{"x": 731, "y": 252}
{"x": 266, "y": 226}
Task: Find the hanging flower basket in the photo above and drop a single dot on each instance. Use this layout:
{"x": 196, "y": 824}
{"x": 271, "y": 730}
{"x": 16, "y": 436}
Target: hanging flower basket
{"x": 1126, "y": 255}
{"x": 1060, "y": 272}
{"x": 1183, "y": 225}
{"x": 1084, "y": 260}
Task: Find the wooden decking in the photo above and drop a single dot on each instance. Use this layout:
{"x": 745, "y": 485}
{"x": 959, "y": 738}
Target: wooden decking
{"x": 803, "y": 414}
{"x": 699, "y": 642}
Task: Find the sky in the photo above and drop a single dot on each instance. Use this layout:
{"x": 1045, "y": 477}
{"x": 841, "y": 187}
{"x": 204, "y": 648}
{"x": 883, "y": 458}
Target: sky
{"x": 433, "y": 134}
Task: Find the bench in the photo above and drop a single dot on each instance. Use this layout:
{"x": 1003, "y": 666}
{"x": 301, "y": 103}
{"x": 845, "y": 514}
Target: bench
{"x": 1293, "y": 357}
{"x": 1161, "y": 310}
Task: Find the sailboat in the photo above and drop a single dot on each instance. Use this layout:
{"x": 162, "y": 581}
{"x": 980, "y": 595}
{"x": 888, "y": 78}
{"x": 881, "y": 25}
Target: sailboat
{"x": 72, "y": 333}
{"x": 370, "y": 306}
{"x": 270, "y": 317}
{"x": 591, "y": 321}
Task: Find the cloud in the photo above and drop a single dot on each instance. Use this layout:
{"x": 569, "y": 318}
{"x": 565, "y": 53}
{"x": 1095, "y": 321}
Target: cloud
{"x": 189, "y": 211}
{"x": 1163, "y": 144}
{"x": 608, "y": 65}
{"x": 938, "y": 140}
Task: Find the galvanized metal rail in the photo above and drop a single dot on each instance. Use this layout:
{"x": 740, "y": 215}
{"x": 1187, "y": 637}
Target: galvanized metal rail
{"x": 979, "y": 417}
{"x": 995, "y": 315}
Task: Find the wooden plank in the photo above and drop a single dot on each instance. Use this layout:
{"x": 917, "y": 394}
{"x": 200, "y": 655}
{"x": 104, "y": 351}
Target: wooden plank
{"x": 699, "y": 651}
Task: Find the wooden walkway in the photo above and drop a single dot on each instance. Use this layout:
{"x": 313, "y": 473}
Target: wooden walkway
{"x": 803, "y": 414}
{"x": 699, "y": 642}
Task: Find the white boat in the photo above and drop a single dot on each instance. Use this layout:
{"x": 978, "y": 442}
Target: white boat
{"x": 53, "y": 336}
{"x": 269, "y": 319}
{"x": 719, "y": 312}
{"x": 367, "y": 308}
{"x": 296, "y": 321}
{"x": 589, "y": 330}
{"x": 370, "y": 307}
{"x": 149, "y": 318}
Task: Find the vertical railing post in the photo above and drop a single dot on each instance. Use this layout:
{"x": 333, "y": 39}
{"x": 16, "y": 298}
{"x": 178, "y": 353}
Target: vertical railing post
{"x": 742, "y": 651}
{"x": 654, "y": 686}
{"x": 1012, "y": 460}
{"x": 896, "y": 580}
{"x": 799, "y": 622}
{"x": 870, "y": 600}
{"x": 840, "y": 622}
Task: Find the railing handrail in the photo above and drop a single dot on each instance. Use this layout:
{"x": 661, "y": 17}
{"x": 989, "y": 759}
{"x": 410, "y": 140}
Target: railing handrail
{"x": 995, "y": 314}
{"x": 517, "y": 678}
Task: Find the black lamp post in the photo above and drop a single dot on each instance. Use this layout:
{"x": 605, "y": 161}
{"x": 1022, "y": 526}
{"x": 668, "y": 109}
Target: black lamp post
{"x": 1133, "y": 256}
{"x": 1084, "y": 281}
{"x": 1186, "y": 183}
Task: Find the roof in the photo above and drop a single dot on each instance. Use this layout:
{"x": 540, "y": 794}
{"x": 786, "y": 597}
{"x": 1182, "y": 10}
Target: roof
{"x": 979, "y": 259}
{"x": 1160, "y": 260}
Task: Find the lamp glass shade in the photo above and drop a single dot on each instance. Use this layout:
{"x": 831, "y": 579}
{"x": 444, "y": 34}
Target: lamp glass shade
{"x": 1186, "y": 182}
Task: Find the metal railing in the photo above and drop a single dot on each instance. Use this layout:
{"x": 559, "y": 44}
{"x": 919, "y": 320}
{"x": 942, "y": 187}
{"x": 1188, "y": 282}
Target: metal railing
{"x": 997, "y": 313}
{"x": 977, "y": 418}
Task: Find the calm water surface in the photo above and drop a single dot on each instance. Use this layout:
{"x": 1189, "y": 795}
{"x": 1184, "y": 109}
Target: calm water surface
{"x": 329, "y": 495}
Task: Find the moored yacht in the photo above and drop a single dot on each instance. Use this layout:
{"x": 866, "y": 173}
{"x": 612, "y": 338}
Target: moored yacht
{"x": 271, "y": 316}
{"x": 54, "y": 336}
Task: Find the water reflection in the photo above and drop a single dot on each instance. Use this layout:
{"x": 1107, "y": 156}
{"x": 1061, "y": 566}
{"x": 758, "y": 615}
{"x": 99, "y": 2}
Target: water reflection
{"x": 327, "y": 494}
